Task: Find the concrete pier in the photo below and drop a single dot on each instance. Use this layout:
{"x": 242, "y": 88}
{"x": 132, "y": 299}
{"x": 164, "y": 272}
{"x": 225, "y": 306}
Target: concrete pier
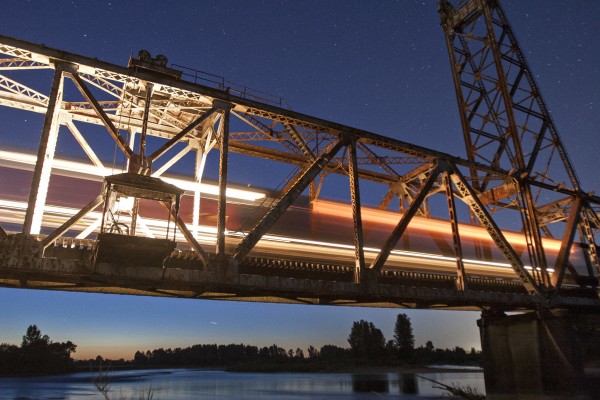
{"x": 538, "y": 355}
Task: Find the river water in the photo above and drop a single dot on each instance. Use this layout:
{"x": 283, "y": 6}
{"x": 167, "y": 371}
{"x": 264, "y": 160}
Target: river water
{"x": 187, "y": 384}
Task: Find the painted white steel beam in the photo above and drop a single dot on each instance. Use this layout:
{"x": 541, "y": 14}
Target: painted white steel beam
{"x": 41, "y": 173}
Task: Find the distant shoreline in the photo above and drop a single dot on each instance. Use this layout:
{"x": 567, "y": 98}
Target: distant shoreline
{"x": 362, "y": 369}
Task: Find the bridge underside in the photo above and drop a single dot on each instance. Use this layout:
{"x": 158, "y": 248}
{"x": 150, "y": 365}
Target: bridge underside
{"x": 69, "y": 266}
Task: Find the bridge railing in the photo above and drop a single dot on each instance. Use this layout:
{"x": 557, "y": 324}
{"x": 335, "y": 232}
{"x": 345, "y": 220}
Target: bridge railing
{"x": 219, "y": 82}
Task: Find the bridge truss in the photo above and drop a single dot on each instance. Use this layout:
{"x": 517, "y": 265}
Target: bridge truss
{"x": 517, "y": 170}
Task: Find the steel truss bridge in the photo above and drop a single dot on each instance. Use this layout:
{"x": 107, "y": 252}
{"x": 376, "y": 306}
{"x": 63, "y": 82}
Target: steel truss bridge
{"x": 517, "y": 172}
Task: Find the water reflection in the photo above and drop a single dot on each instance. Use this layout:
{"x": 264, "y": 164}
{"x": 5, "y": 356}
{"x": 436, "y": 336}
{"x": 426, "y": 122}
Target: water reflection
{"x": 408, "y": 383}
{"x": 370, "y": 383}
{"x": 190, "y": 384}
{"x": 380, "y": 383}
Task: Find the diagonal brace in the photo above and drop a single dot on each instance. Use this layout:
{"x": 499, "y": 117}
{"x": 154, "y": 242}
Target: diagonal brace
{"x": 85, "y": 91}
{"x": 588, "y": 216}
{"x": 159, "y": 152}
{"x": 84, "y": 144}
{"x": 404, "y": 221}
{"x": 188, "y": 235}
{"x": 472, "y": 200}
{"x": 58, "y": 232}
{"x": 566, "y": 244}
{"x": 244, "y": 247}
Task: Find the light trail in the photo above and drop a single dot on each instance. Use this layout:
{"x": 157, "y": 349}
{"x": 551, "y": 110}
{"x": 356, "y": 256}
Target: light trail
{"x": 302, "y": 247}
{"x": 81, "y": 170}
{"x": 14, "y": 211}
{"x": 388, "y": 218}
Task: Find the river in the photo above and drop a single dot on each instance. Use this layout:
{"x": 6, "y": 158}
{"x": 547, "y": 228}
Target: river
{"x": 187, "y": 384}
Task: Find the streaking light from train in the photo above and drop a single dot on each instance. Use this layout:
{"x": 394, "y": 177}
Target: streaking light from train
{"x": 208, "y": 235}
{"x": 79, "y": 168}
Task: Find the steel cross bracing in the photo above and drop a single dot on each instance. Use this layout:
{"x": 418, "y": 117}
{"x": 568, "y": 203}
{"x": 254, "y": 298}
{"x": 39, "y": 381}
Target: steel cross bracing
{"x": 506, "y": 124}
{"x": 182, "y": 117}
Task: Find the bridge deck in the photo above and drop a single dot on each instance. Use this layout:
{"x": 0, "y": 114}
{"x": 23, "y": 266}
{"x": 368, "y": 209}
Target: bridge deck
{"x": 69, "y": 267}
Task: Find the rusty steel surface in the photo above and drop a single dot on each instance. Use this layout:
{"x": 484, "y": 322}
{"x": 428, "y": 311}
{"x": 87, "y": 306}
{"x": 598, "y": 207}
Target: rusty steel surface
{"x": 515, "y": 158}
{"x": 70, "y": 268}
{"x": 506, "y": 124}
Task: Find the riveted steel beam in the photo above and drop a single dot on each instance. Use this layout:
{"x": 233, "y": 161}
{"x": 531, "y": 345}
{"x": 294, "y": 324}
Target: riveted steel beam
{"x": 533, "y": 235}
{"x": 359, "y": 252}
{"x": 299, "y": 141}
{"x": 588, "y": 234}
{"x": 143, "y": 133}
{"x": 45, "y": 156}
{"x": 61, "y": 230}
{"x": 166, "y": 146}
{"x": 547, "y": 117}
{"x": 223, "y": 168}
{"x": 471, "y": 198}
{"x": 387, "y": 199}
{"x": 187, "y": 234}
{"x": 567, "y": 242}
{"x": 398, "y": 231}
{"x": 114, "y": 132}
{"x": 19, "y": 89}
{"x": 172, "y": 161}
{"x": 461, "y": 278}
{"x": 85, "y": 146}
{"x": 292, "y": 194}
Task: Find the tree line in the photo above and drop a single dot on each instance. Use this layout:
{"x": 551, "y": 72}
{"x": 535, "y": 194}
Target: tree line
{"x": 367, "y": 347}
{"x": 37, "y": 355}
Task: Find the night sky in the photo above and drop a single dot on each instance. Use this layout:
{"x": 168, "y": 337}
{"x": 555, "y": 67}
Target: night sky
{"x": 380, "y": 66}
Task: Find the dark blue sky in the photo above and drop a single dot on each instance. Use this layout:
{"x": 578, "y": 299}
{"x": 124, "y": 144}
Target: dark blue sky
{"x": 380, "y": 66}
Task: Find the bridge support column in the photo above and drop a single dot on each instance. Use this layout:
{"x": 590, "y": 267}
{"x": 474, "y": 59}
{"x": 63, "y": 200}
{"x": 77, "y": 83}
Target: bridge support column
{"x": 534, "y": 356}
{"x": 43, "y": 166}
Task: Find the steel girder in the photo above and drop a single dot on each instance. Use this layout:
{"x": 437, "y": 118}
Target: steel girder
{"x": 179, "y": 111}
{"x": 505, "y": 120}
{"x": 506, "y": 124}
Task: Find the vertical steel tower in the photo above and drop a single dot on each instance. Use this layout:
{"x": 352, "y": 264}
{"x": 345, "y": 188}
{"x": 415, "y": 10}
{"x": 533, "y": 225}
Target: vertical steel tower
{"x": 506, "y": 125}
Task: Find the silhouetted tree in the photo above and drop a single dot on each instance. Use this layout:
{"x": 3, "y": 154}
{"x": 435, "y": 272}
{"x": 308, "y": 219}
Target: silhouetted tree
{"x": 37, "y": 355}
{"x": 33, "y": 337}
{"x": 403, "y": 337}
{"x": 312, "y": 352}
{"x": 366, "y": 342}
{"x": 11, "y": 360}
{"x": 140, "y": 358}
{"x": 391, "y": 351}
{"x": 60, "y": 356}
{"x": 333, "y": 353}
{"x": 429, "y": 346}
